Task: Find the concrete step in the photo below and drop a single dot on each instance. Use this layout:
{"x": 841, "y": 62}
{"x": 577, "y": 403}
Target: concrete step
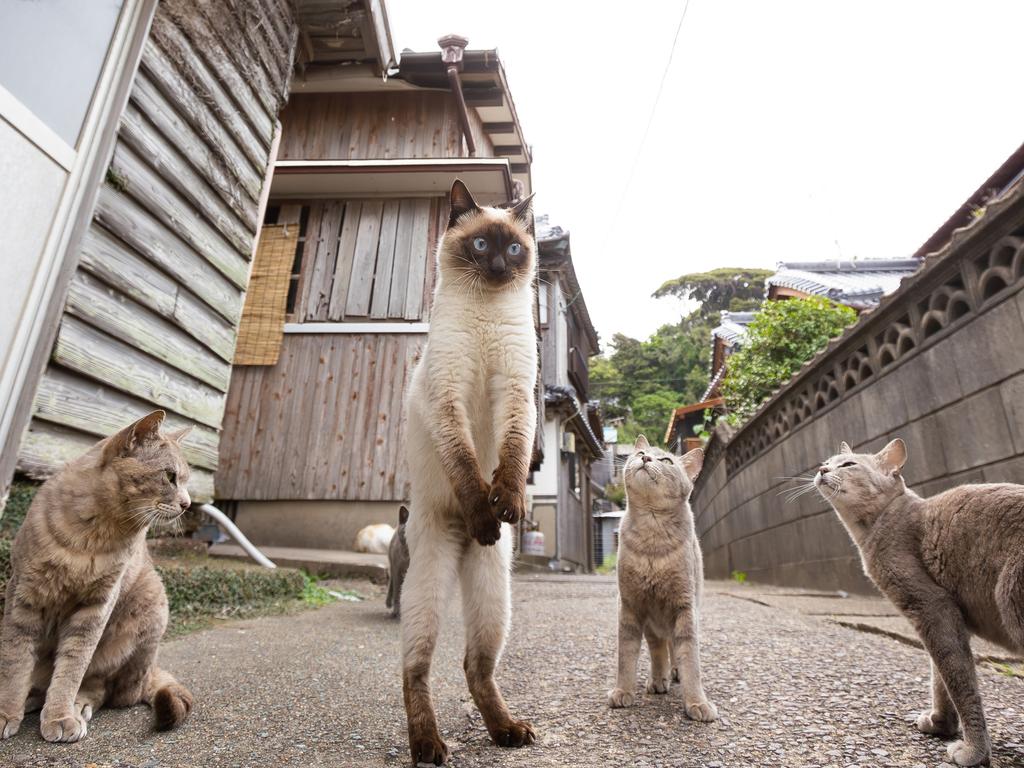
{"x": 321, "y": 562}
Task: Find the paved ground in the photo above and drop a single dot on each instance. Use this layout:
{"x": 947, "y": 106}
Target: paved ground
{"x": 322, "y": 689}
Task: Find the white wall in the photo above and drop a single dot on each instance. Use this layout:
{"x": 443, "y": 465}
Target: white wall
{"x": 29, "y": 196}
{"x": 545, "y": 479}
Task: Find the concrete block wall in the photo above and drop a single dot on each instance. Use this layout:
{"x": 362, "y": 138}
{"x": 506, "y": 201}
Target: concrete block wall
{"x": 940, "y": 363}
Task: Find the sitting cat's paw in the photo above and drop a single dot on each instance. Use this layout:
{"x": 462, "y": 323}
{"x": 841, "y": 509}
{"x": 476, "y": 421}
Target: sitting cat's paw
{"x": 618, "y": 698}
{"x": 963, "y": 753}
{"x": 62, "y": 726}
{"x": 930, "y": 723}
{"x": 517, "y": 733}
{"x": 9, "y": 725}
{"x": 658, "y": 685}
{"x": 507, "y": 497}
{"x": 428, "y": 750}
{"x": 702, "y": 711}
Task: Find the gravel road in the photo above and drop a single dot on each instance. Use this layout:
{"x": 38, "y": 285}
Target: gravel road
{"x": 322, "y": 688}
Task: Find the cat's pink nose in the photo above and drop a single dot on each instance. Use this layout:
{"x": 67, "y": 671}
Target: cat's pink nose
{"x": 645, "y": 458}
{"x": 824, "y": 470}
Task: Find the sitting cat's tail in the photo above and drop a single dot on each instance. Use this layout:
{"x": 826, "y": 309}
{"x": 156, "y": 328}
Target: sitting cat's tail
{"x": 171, "y": 701}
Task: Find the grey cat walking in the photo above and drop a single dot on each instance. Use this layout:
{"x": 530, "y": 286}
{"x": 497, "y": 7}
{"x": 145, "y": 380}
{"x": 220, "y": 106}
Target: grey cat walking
{"x": 953, "y": 565}
{"x": 661, "y": 577}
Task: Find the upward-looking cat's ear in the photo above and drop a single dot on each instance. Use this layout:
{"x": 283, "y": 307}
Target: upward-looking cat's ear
{"x": 641, "y": 443}
{"x": 461, "y": 202}
{"x": 844, "y": 447}
{"x": 524, "y": 209}
{"x": 692, "y": 462}
{"x": 179, "y": 434}
{"x": 125, "y": 441}
{"x": 403, "y": 515}
{"x": 893, "y": 456}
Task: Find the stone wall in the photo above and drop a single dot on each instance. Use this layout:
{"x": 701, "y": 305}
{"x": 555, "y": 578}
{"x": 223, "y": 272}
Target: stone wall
{"x": 939, "y": 363}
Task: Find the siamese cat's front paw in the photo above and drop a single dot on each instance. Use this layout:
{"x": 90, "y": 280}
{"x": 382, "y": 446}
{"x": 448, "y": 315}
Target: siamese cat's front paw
{"x": 618, "y": 698}
{"x": 702, "y": 711}
{"x": 62, "y": 726}
{"x": 964, "y": 753}
{"x": 516, "y": 733}
{"x": 428, "y": 749}
{"x": 507, "y": 498}
{"x": 483, "y": 526}
{"x": 929, "y": 722}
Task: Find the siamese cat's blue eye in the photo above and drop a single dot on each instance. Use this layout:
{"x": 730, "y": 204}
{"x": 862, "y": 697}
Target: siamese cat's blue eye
{"x": 479, "y": 244}
{"x": 514, "y": 249}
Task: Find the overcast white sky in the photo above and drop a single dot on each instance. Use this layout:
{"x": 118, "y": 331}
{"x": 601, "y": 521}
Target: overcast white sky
{"x": 786, "y": 130}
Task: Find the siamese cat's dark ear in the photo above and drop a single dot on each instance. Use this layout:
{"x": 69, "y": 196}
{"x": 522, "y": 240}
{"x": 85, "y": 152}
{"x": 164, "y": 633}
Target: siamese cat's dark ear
{"x": 692, "y": 462}
{"x": 128, "y": 439}
{"x": 403, "y": 515}
{"x": 893, "y": 456}
{"x": 524, "y": 209}
{"x": 460, "y": 201}
{"x": 641, "y": 443}
{"x": 844, "y": 447}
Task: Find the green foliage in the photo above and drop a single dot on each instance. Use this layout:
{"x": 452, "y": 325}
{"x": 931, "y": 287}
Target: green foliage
{"x": 609, "y": 564}
{"x": 783, "y": 336}
{"x": 616, "y": 493}
{"x": 732, "y": 288}
{"x": 5, "y": 568}
{"x": 740, "y": 577}
{"x": 196, "y": 590}
{"x": 18, "y": 502}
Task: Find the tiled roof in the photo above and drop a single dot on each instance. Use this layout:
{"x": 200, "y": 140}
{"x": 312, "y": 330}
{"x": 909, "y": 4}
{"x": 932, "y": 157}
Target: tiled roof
{"x": 860, "y": 283}
{"x": 733, "y": 327}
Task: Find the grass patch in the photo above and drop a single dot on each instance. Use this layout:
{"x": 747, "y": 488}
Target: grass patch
{"x": 740, "y": 577}
{"x": 609, "y": 564}
{"x": 18, "y": 502}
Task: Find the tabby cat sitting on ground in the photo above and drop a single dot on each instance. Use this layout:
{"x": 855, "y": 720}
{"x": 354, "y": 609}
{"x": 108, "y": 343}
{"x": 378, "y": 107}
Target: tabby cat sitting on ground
{"x": 954, "y": 566}
{"x": 661, "y": 578}
{"x": 85, "y": 608}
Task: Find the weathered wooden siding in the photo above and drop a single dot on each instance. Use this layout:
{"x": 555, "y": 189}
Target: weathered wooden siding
{"x": 325, "y": 422}
{"x": 370, "y": 126}
{"x": 364, "y": 259}
{"x": 153, "y": 308}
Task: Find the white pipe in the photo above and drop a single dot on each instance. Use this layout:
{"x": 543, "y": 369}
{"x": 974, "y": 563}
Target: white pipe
{"x": 237, "y": 535}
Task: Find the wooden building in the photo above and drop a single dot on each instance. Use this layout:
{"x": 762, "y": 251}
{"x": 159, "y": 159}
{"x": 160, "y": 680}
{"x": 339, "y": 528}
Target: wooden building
{"x": 560, "y": 489}
{"x": 313, "y": 439}
{"x": 139, "y": 269}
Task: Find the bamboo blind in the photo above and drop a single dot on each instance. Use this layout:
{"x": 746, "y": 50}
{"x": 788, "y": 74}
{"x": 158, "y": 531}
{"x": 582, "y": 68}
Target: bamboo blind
{"x": 261, "y": 329}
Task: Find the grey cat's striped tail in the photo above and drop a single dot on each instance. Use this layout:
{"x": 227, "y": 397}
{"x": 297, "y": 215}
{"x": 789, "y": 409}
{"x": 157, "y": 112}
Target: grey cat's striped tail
{"x": 171, "y": 701}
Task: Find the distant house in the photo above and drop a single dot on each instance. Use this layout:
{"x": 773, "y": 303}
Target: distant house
{"x": 858, "y": 284}
{"x": 314, "y": 431}
{"x": 136, "y": 138}
{"x": 560, "y": 489}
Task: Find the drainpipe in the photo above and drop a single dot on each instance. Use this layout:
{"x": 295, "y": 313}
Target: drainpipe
{"x": 452, "y": 47}
{"x": 237, "y": 535}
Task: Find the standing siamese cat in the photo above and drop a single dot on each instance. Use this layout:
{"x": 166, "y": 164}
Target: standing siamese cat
{"x": 661, "y": 578}
{"x": 954, "y": 566}
{"x": 85, "y": 609}
{"x": 471, "y": 421}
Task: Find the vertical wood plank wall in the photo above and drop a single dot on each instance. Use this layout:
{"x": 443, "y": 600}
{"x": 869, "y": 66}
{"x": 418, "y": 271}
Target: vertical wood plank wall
{"x": 153, "y": 309}
{"x": 370, "y": 126}
{"x": 327, "y": 421}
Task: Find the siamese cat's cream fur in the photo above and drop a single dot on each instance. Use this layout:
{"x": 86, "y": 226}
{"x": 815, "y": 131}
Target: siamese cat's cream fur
{"x": 472, "y": 417}
{"x": 661, "y": 578}
{"x": 954, "y": 566}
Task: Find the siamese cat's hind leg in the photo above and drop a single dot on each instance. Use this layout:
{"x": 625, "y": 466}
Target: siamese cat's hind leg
{"x": 661, "y": 663}
{"x": 485, "y": 575}
{"x": 941, "y": 719}
{"x": 434, "y": 554}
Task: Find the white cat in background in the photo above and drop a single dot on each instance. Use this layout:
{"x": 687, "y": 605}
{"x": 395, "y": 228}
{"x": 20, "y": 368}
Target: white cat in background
{"x": 374, "y": 539}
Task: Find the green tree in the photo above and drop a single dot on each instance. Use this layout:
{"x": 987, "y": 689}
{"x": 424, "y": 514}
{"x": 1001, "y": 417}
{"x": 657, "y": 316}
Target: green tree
{"x": 732, "y": 288}
{"x": 783, "y": 336}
